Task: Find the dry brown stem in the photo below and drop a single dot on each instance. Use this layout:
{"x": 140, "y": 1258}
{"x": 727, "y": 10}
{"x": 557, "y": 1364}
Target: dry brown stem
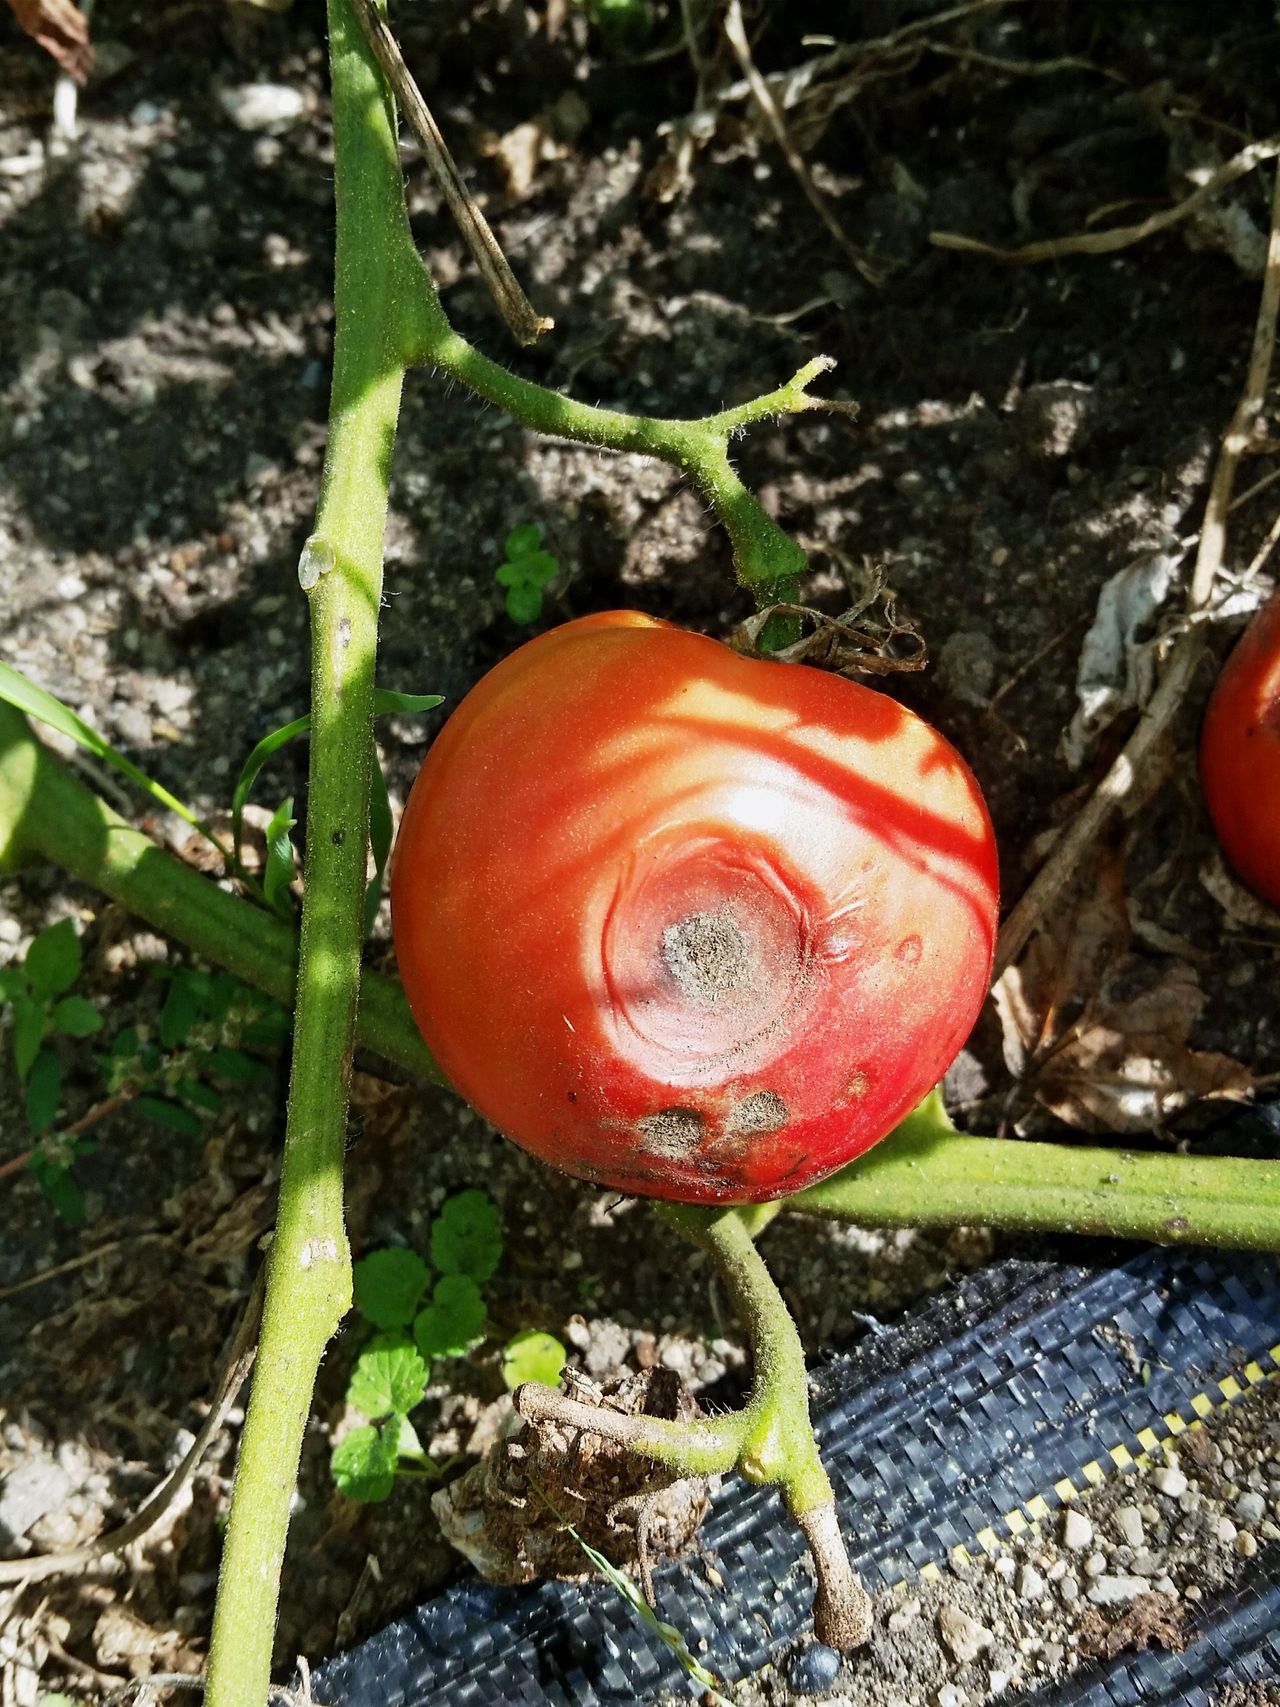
{"x": 524, "y": 323}
{"x": 1120, "y": 236}
{"x": 735, "y": 32}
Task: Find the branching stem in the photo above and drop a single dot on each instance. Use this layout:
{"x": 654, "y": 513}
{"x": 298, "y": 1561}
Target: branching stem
{"x": 770, "y": 1440}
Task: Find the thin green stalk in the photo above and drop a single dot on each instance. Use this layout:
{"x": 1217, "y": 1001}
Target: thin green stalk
{"x": 769, "y": 562}
{"x": 309, "y": 1269}
{"x": 47, "y": 813}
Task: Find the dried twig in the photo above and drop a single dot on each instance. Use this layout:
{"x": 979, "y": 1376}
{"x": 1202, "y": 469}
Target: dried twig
{"x": 736, "y": 33}
{"x": 81, "y": 1261}
{"x": 99, "y": 1111}
{"x": 1120, "y": 781}
{"x": 1120, "y": 236}
{"x": 234, "y": 1372}
{"x": 525, "y": 324}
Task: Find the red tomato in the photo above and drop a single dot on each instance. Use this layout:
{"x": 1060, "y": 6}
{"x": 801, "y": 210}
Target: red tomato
{"x": 689, "y": 924}
{"x": 1240, "y": 755}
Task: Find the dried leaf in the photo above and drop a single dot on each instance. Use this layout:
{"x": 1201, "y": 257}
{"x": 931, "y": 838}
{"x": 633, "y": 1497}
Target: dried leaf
{"x": 519, "y": 154}
{"x": 1116, "y": 670}
{"x": 61, "y": 29}
{"x": 1242, "y": 907}
{"x": 1063, "y": 966}
{"x": 1130, "y": 1066}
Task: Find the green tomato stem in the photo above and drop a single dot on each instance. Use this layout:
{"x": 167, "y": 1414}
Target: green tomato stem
{"x": 941, "y": 1179}
{"x": 309, "y": 1267}
{"x": 768, "y": 561}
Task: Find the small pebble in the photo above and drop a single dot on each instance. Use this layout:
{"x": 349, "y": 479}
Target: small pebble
{"x": 997, "y": 1683}
{"x": 1115, "y": 1591}
{"x": 1170, "y": 1480}
{"x": 1129, "y": 1525}
{"x": 949, "y": 1696}
{"x": 1246, "y": 1545}
{"x": 270, "y": 107}
{"x": 1251, "y": 1508}
{"x": 1166, "y": 1585}
{"x": 963, "y": 1636}
{"x": 1225, "y": 1531}
{"x": 814, "y": 1669}
{"x": 1077, "y": 1531}
{"x": 1006, "y": 1567}
{"x": 1095, "y": 1565}
{"x": 1069, "y": 1589}
{"x": 1031, "y": 1584}
{"x": 904, "y": 1615}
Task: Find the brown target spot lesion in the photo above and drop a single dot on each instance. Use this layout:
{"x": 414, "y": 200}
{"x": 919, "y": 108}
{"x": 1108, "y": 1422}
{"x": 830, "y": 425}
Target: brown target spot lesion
{"x": 672, "y": 1132}
{"x": 762, "y": 1111}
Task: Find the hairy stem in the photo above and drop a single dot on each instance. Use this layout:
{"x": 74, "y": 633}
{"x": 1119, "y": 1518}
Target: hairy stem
{"x": 769, "y": 562}
{"x": 926, "y": 1174}
{"x": 309, "y": 1269}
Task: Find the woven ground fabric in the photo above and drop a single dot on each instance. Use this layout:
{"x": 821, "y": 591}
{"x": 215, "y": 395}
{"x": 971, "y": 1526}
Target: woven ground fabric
{"x": 1027, "y": 1380}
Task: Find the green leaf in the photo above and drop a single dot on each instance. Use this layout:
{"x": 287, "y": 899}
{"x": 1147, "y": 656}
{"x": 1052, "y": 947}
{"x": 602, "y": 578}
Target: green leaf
{"x": 171, "y": 1115}
{"x": 632, "y": 1594}
{"x": 44, "y": 1090}
{"x": 183, "y": 1008}
{"x": 466, "y": 1236}
{"x": 199, "y": 1095}
{"x": 13, "y": 981}
{"x": 524, "y": 603}
{"x": 386, "y": 701}
{"x": 540, "y": 568}
{"x": 280, "y": 869}
{"x": 363, "y": 1463}
{"x": 29, "y": 1023}
{"x": 52, "y": 964}
{"x": 409, "y": 1446}
{"x": 522, "y": 541}
{"x": 532, "y": 1356}
{"x": 235, "y": 1065}
{"x": 222, "y": 993}
{"x": 453, "y": 1321}
{"x": 16, "y": 688}
{"x": 269, "y": 744}
{"x": 389, "y": 1376}
{"x": 58, "y": 1184}
{"x": 76, "y": 1016}
{"x": 388, "y": 1285}
{"x": 380, "y": 832}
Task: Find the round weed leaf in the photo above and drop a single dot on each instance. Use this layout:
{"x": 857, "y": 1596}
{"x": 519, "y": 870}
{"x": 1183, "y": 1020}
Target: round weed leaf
{"x": 388, "y": 1285}
{"x": 388, "y": 1376}
{"x": 532, "y": 1356}
{"x": 364, "y": 1463}
{"x": 524, "y": 602}
{"x": 453, "y": 1321}
{"x": 466, "y": 1236}
{"x": 523, "y": 541}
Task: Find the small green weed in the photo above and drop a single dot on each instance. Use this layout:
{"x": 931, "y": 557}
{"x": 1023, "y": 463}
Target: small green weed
{"x": 420, "y": 1314}
{"x": 210, "y": 1033}
{"x": 527, "y": 572}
